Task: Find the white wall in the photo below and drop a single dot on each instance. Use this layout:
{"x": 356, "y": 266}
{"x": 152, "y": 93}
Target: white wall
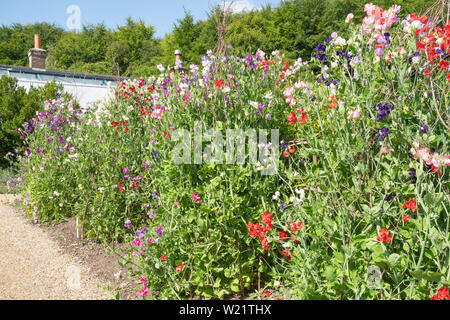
{"x": 84, "y": 90}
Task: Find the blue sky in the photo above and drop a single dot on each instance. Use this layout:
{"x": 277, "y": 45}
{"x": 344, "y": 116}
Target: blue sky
{"x": 159, "y": 13}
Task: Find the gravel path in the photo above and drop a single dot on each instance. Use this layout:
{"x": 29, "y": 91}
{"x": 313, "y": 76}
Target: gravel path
{"x": 33, "y": 267}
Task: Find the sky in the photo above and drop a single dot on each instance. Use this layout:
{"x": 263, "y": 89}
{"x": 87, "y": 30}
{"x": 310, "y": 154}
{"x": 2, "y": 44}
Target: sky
{"x": 68, "y": 14}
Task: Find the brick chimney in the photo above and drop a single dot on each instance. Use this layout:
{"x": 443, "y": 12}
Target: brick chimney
{"x": 37, "y": 55}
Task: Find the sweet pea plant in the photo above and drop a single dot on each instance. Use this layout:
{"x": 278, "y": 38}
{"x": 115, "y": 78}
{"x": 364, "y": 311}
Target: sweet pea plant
{"x": 359, "y": 205}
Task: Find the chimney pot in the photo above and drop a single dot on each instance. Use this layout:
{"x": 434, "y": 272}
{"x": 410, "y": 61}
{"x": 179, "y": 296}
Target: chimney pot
{"x": 37, "y": 41}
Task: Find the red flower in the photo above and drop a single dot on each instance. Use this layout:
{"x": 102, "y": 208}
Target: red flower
{"x": 292, "y": 150}
{"x": 219, "y": 83}
{"x": 303, "y": 118}
{"x": 426, "y": 72}
{"x": 296, "y": 226}
{"x": 267, "y": 219}
{"x": 292, "y": 118}
{"x": 384, "y": 236}
{"x": 443, "y": 64}
{"x": 266, "y": 293}
{"x": 442, "y": 294}
{"x": 406, "y": 219}
{"x": 448, "y": 76}
{"x": 163, "y": 257}
{"x": 283, "y": 235}
{"x": 180, "y": 267}
{"x": 265, "y": 244}
{"x": 333, "y": 101}
{"x": 286, "y": 155}
{"x": 287, "y": 254}
{"x": 411, "y": 204}
{"x": 253, "y": 229}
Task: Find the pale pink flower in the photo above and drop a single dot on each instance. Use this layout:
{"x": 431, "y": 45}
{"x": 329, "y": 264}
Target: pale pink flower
{"x": 384, "y": 150}
{"x": 289, "y": 91}
{"x": 291, "y": 100}
{"x": 434, "y": 161}
{"x": 354, "y": 115}
{"x": 349, "y": 18}
{"x": 447, "y": 160}
{"x": 423, "y": 153}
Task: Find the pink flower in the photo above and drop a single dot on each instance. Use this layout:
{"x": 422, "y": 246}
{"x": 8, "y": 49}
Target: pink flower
{"x": 144, "y": 292}
{"x": 384, "y": 150}
{"x": 354, "y": 115}
{"x": 196, "y": 198}
{"x": 423, "y": 153}
{"x": 434, "y": 161}
{"x": 447, "y": 160}
{"x": 144, "y": 280}
{"x": 289, "y": 92}
{"x": 291, "y": 101}
{"x": 349, "y": 18}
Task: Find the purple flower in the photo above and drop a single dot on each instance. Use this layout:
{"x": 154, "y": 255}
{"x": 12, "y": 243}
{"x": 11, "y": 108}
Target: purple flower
{"x": 383, "y": 110}
{"x": 424, "y": 129}
{"x": 126, "y": 171}
{"x": 383, "y": 132}
{"x": 390, "y": 196}
{"x": 159, "y": 231}
{"x": 128, "y": 224}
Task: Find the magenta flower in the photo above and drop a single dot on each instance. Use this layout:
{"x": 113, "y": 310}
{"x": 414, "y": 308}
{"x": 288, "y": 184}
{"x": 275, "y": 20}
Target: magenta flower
{"x": 196, "y": 198}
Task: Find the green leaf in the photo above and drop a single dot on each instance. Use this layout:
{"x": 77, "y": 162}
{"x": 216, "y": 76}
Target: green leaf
{"x": 433, "y": 276}
{"x": 394, "y": 259}
{"x": 418, "y": 274}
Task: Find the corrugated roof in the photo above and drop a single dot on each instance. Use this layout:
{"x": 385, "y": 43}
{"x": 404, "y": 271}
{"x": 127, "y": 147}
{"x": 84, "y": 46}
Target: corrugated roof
{"x": 68, "y": 74}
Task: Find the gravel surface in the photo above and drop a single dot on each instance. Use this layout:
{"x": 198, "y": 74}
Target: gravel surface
{"x": 33, "y": 267}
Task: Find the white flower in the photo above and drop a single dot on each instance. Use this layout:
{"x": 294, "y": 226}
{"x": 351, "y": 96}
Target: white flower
{"x": 226, "y": 90}
{"x": 101, "y": 189}
{"x": 276, "y": 195}
{"x": 56, "y": 193}
{"x": 161, "y": 67}
{"x": 286, "y": 245}
{"x": 340, "y": 41}
{"x": 254, "y": 104}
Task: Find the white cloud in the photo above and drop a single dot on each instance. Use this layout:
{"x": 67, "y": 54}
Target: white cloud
{"x": 240, "y": 6}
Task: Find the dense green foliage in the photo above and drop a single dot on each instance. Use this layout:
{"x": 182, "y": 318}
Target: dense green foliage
{"x": 294, "y": 27}
{"x": 18, "y": 106}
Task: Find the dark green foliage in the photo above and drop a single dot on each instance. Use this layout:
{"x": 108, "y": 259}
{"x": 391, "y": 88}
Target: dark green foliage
{"x": 18, "y": 106}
